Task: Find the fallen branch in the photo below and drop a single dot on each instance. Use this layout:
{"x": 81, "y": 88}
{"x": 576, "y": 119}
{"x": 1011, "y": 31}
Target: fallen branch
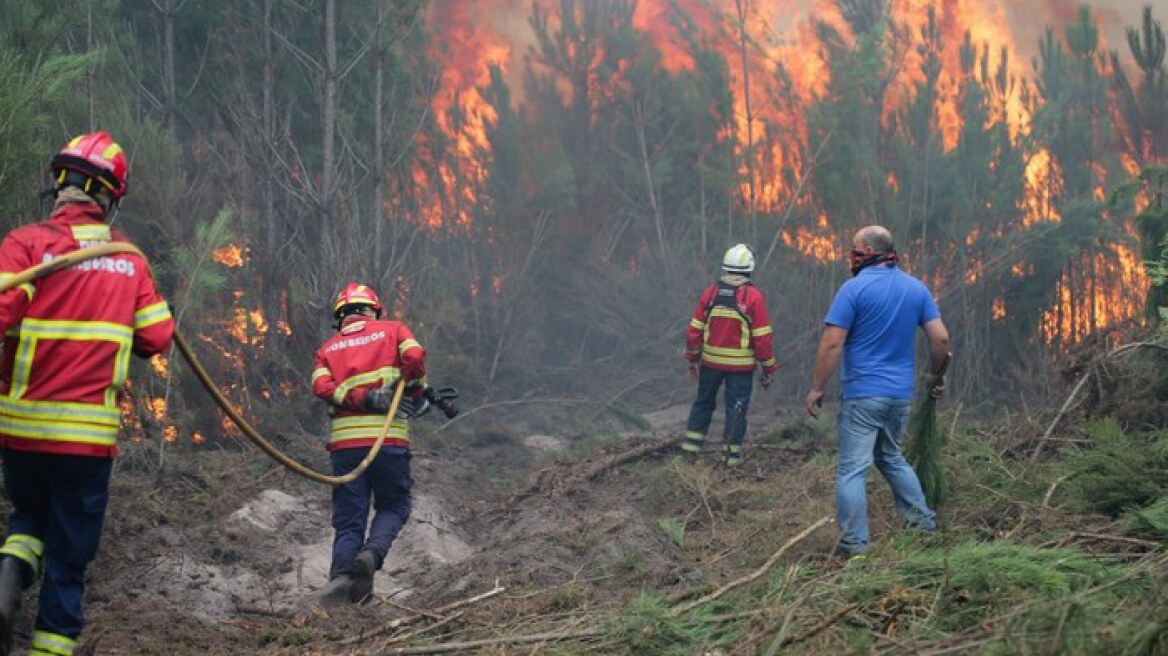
{"x": 406, "y": 637}
{"x": 1053, "y": 486}
{"x": 685, "y": 608}
{"x": 401, "y": 621}
{"x": 632, "y": 454}
{"x": 813, "y": 631}
{"x": 489, "y": 642}
{"x": 1058, "y": 417}
{"x": 1116, "y": 352}
{"x": 1150, "y": 544}
{"x": 557, "y": 479}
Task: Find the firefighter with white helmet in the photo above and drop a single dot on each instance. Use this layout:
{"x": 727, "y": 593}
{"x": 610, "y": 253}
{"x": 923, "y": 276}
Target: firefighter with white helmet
{"x": 67, "y": 345}
{"x": 728, "y": 336}
{"x": 355, "y": 372}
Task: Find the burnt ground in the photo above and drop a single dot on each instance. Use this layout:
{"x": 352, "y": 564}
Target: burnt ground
{"x": 514, "y": 531}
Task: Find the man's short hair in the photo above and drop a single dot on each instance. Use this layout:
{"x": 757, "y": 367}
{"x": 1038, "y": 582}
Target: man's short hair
{"x": 878, "y": 238}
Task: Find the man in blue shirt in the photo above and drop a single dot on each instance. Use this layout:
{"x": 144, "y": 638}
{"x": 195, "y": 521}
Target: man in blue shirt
{"x": 871, "y": 327}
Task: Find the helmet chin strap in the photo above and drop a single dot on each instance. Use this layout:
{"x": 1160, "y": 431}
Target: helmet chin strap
{"x": 112, "y": 214}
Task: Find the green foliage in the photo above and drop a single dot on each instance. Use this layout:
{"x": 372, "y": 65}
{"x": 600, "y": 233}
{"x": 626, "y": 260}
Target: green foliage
{"x": 1117, "y": 471}
{"x": 925, "y": 442}
{"x": 1151, "y": 521}
{"x": 970, "y": 582}
{"x": 674, "y": 529}
{"x": 630, "y": 416}
{"x": 31, "y": 86}
{"x": 286, "y": 637}
{"x": 201, "y": 277}
{"x": 646, "y": 627}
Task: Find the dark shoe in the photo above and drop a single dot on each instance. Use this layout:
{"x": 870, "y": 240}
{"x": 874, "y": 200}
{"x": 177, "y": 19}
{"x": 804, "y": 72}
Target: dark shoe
{"x": 364, "y": 565}
{"x": 12, "y": 577}
{"x": 336, "y": 593}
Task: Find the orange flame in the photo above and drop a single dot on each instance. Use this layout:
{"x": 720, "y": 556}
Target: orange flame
{"x": 161, "y": 365}
{"x": 228, "y": 256}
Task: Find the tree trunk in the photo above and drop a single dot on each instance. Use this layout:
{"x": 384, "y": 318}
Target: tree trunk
{"x": 650, "y": 186}
{"x": 171, "y": 109}
{"x": 273, "y": 283}
{"x": 89, "y": 82}
{"x": 743, "y": 9}
{"x": 378, "y": 140}
{"x": 328, "y": 120}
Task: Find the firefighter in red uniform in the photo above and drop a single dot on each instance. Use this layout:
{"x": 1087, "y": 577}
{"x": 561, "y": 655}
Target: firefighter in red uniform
{"x": 355, "y": 372}
{"x": 67, "y": 345}
{"x": 728, "y": 333}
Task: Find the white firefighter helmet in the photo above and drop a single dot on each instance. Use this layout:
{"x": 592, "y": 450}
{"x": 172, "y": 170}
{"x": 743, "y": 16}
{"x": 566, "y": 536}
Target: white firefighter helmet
{"x": 738, "y": 259}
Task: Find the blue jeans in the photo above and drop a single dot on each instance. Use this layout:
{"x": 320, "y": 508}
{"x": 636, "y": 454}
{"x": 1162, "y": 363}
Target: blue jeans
{"x": 739, "y": 385}
{"x": 60, "y": 499}
{"x": 388, "y": 482}
{"x": 870, "y": 431}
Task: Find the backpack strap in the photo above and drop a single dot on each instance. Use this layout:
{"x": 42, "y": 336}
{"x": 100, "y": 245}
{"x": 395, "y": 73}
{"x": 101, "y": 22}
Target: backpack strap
{"x": 739, "y": 301}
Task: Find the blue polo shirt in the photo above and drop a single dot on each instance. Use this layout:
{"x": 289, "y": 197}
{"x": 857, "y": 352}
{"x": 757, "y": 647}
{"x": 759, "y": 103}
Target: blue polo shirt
{"x": 881, "y": 309}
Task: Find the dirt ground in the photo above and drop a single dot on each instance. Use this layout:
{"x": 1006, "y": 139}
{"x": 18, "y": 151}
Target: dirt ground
{"x": 219, "y": 551}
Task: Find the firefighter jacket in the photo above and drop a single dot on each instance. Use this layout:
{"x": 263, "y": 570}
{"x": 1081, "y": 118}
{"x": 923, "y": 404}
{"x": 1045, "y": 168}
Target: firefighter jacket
{"x": 730, "y": 329}
{"x": 68, "y": 336}
{"x": 363, "y": 355}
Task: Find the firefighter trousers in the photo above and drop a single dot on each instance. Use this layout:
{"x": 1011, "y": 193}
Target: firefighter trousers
{"x": 386, "y": 486}
{"x": 61, "y": 501}
{"x": 738, "y": 387}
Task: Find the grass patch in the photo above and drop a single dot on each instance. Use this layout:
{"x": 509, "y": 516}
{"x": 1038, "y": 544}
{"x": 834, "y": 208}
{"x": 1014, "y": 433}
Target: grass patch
{"x": 674, "y": 529}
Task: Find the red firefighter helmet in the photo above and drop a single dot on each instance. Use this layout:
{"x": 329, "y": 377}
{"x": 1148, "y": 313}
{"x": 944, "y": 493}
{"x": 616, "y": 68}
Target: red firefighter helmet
{"x": 355, "y": 296}
{"x": 96, "y": 157}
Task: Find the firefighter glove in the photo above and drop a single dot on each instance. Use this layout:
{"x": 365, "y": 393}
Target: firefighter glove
{"x": 379, "y": 399}
{"x": 413, "y": 408}
{"x": 765, "y": 380}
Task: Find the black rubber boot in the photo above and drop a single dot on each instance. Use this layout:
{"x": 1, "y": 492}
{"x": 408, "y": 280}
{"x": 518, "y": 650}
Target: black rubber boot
{"x": 336, "y": 593}
{"x": 13, "y": 581}
{"x": 364, "y": 565}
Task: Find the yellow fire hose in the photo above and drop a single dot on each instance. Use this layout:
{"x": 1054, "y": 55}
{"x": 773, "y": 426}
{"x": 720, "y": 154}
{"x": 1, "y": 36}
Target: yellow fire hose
{"x": 112, "y": 248}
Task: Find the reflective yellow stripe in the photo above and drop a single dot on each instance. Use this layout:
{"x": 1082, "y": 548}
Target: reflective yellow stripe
{"x": 759, "y": 332}
{"x": 31, "y": 331}
{"x": 111, "y": 151}
{"x": 107, "y": 331}
{"x": 732, "y": 313}
{"x": 769, "y": 363}
{"x": 151, "y": 314}
{"x": 323, "y": 371}
{"x": 59, "y": 431}
{"x": 45, "y": 643}
{"x": 700, "y": 325}
{"x": 726, "y": 313}
{"x": 28, "y": 288}
{"x": 27, "y": 548}
{"x": 733, "y": 362}
{"x": 381, "y": 377}
{"x": 60, "y": 411}
{"x": 728, "y": 352}
{"x": 91, "y": 232}
{"x": 407, "y": 345}
{"x": 366, "y": 427}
